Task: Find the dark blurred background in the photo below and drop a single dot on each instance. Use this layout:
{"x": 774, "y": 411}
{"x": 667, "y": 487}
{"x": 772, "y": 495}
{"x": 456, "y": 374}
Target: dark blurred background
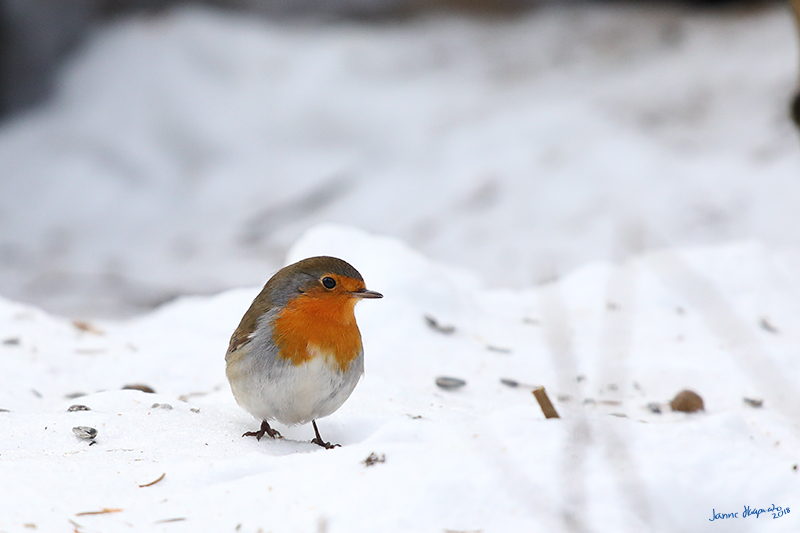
{"x": 37, "y": 35}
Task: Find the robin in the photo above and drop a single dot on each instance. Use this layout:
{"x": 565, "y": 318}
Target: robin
{"x": 297, "y": 354}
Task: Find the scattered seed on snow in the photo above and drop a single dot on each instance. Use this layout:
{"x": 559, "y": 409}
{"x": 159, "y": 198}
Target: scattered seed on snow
{"x": 373, "y": 459}
{"x": 165, "y": 406}
{"x": 434, "y": 325}
{"x": 140, "y": 387}
{"x": 498, "y": 349}
{"x": 687, "y": 401}
{"x": 445, "y": 382}
{"x": 767, "y": 326}
{"x": 82, "y": 325}
{"x": 654, "y": 407}
{"x": 78, "y": 407}
{"x": 754, "y": 402}
{"x": 513, "y": 383}
{"x": 84, "y": 432}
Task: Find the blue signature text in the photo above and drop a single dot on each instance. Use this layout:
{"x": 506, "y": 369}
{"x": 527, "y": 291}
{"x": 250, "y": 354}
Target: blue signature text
{"x": 721, "y": 516}
{"x": 776, "y": 512}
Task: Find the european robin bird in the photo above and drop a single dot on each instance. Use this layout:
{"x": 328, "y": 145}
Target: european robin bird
{"x": 297, "y": 354}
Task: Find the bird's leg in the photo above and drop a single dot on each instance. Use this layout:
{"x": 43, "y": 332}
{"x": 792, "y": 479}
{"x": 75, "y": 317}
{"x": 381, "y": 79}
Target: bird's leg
{"x": 265, "y": 430}
{"x": 318, "y": 440}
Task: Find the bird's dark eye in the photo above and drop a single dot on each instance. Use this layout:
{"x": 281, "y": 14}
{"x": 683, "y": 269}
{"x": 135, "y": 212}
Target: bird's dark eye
{"x": 328, "y": 282}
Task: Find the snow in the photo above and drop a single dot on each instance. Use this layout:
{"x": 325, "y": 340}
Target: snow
{"x": 184, "y": 153}
{"x": 479, "y": 458}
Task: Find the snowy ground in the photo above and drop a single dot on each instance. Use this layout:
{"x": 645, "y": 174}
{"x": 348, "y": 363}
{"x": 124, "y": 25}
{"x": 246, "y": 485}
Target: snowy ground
{"x": 723, "y": 321}
{"x": 184, "y": 153}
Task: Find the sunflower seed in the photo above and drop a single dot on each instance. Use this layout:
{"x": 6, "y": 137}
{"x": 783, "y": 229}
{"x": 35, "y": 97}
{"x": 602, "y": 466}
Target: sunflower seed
{"x": 754, "y": 402}
{"x": 84, "y": 432}
{"x": 445, "y": 382}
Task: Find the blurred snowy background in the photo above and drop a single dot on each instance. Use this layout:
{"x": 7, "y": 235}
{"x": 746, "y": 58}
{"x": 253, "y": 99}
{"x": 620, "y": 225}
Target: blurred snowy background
{"x": 151, "y": 148}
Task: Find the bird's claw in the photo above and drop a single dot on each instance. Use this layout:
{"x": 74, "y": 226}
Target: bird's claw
{"x": 265, "y": 430}
{"x": 326, "y": 445}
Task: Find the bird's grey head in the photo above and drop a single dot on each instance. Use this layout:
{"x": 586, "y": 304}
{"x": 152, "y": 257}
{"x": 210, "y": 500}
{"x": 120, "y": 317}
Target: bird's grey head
{"x": 295, "y": 279}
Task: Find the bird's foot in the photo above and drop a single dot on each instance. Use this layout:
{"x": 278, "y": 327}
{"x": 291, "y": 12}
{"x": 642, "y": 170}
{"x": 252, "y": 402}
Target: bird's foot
{"x": 326, "y": 445}
{"x": 318, "y": 440}
{"x": 265, "y": 430}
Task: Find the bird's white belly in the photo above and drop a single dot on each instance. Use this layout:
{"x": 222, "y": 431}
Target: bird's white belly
{"x": 296, "y": 394}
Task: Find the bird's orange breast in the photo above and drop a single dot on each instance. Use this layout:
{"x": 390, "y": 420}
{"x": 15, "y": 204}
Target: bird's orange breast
{"x": 310, "y": 325}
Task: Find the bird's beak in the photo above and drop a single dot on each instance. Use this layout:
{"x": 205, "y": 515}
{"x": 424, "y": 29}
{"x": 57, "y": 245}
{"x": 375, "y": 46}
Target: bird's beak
{"x": 364, "y": 293}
